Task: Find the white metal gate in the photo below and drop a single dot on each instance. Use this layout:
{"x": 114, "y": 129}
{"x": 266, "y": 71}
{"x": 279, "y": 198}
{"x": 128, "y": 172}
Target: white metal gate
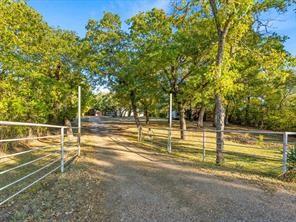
{"x": 42, "y": 159}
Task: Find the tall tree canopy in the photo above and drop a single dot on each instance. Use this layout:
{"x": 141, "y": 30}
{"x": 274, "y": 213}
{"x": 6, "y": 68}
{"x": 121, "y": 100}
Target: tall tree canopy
{"x": 40, "y": 67}
{"x": 211, "y": 55}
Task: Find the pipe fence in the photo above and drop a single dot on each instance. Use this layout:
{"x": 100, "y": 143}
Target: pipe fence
{"x": 21, "y": 169}
{"x": 260, "y": 151}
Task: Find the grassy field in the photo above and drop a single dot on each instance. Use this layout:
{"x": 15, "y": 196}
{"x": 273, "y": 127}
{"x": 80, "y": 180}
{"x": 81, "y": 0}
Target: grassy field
{"x": 257, "y": 154}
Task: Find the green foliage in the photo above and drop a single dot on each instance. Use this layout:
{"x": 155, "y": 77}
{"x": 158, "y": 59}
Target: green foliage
{"x": 107, "y": 103}
{"x": 40, "y": 67}
{"x": 177, "y": 53}
{"x": 292, "y": 158}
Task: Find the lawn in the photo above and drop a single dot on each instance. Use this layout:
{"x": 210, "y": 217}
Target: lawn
{"x": 249, "y": 153}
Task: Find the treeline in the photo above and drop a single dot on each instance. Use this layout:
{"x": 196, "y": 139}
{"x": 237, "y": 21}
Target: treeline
{"x": 215, "y": 57}
{"x": 108, "y": 103}
{"x": 40, "y": 68}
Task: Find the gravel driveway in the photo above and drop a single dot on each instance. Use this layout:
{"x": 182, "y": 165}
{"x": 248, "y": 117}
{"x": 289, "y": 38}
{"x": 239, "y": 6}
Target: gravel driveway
{"x": 145, "y": 186}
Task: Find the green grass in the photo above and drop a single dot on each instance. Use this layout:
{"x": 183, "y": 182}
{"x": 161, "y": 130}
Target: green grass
{"x": 257, "y": 154}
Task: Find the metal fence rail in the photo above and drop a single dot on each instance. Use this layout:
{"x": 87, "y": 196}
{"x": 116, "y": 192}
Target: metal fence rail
{"x": 52, "y": 155}
{"x": 271, "y": 146}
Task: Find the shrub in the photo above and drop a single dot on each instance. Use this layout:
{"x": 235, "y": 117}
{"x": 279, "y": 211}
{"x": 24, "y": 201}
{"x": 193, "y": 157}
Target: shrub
{"x": 292, "y": 158}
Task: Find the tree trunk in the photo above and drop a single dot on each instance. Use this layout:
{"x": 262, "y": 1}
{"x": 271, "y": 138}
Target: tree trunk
{"x": 119, "y": 112}
{"x": 247, "y": 113}
{"x": 182, "y": 121}
{"x": 227, "y": 114}
{"x": 134, "y": 108}
{"x": 230, "y": 116}
{"x": 261, "y": 124}
{"x": 57, "y": 71}
{"x": 201, "y": 113}
{"x": 226, "y": 118}
{"x": 220, "y": 117}
{"x": 147, "y": 116}
{"x": 220, "y": 112}
{"x": 215, "y": 116}
{"x": 69, "y": 129}
{"x": 190, "y": 113}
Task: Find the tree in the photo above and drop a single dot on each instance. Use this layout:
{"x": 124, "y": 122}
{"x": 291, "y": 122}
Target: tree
{"x": 166, "y": 44}
{"x": 231, "y": 20}
{"x": 39, "y": 67}
{"x": 113, "y": 60}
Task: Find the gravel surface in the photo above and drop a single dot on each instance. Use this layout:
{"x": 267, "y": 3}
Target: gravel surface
{"x": 145, "y": 186}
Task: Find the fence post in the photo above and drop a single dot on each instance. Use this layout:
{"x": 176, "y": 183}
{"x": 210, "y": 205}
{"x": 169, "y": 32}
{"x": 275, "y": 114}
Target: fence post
{"x": 139, "y": 133}
{"x": 62, "y": 149}
{"x": 203, "y": 144}
{"x": 285, "y": 149}
{"x": 78, "y": 142}
{"x": 79, "y": 120}
{"x": 169, "y": 148}
{"x": 150, "y": 134}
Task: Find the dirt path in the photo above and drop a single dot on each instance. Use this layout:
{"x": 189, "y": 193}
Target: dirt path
{"x": 143, "y": 186}
{"x": 114, "y": 180}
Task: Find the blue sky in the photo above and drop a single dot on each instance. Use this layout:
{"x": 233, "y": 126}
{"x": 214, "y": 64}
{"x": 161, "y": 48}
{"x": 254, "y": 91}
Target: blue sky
{"x": 74, "y": 14}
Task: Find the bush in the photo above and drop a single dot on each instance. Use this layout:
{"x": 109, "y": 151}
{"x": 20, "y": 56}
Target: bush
{"x": 292, "y": 159}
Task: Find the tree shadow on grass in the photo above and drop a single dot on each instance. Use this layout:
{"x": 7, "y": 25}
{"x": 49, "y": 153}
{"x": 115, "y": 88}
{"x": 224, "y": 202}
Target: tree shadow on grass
{"x": 236, "y": 159}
